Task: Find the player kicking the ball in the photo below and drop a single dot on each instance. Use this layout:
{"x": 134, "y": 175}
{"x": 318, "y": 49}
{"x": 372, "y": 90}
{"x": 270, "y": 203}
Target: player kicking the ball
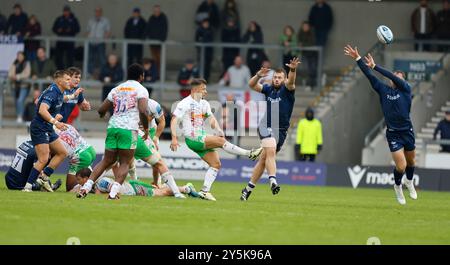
{"x": 395, "y": 100}
{"x": 193, "y": 111}
{"x": 273, "y": 127}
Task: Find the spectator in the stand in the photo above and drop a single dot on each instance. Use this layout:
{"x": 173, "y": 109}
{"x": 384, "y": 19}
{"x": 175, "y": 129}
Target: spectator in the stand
{"x": 237, "y": 76}
{"x": 309, "y": 137}
{"x": 255, "y": 56}
{"x": 443, "y": 25}
{"x": 231, "y": 33}
{"x": 444, "y": 129}
{"x": 17, "y": 21}
{"x": 306, "y": 38}
{"x": 135, "y": 29}
{"x": 18, "y": 72}
{"x": 150, "y": 74}
{"x": 423, "y": 24}
{"x": 230, "y": 11}
{"x": 42, "y": 67}
{"x": 289, "y": 41}
{"x": 157, "y": 29}
{"x": 321, "y": 19}
{"x": 205, "y": 34}
{"x": 3, "y": 24}
{"x": 32, "y": 29}
{"x": 185, "y": 76}
{"x": 98, "y": 30}
{"x": 209, "y": 10}
{"x": 111, "y": 74}
{"x": 30, "y": 107}
{"x": 65, "y": 26}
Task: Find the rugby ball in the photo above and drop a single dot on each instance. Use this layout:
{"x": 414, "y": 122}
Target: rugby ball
{"x": 385, "y": 35}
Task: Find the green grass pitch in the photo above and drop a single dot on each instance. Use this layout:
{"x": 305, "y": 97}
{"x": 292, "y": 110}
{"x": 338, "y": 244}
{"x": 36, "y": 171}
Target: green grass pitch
{"x": 297, "y": 215}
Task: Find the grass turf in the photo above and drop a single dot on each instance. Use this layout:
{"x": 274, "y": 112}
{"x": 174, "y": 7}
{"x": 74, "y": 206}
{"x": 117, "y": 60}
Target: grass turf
{"x": 297, "y": 215}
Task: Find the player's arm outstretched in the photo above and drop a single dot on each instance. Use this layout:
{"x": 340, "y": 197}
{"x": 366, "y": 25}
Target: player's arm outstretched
{"x": 43, "y": 111}
{"x": 254, "y": 81}
{"x": 365, "y": 67}
{"x": 290, "y": 84}
{"x": 399, "y": 83}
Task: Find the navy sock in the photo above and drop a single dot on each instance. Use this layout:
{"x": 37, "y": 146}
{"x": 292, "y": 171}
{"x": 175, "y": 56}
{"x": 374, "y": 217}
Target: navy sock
{"x": 398, "y": 177}
{"x": 48, "y": 171}
{"x": 410, "y": 173}
{"x": 34, "y": 174}
{"x": 35, "y": 187}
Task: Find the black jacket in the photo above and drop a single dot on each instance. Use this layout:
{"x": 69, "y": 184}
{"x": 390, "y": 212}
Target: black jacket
{"x": 3, "y": 24}
{"x": 133, "y": 31}
{"x": 17, "y": 23}
{"x": 115, "y": 73}
{"x": 213, "y": 13}
{"x": 321, "y": 18}
{"x": 443, "y": 24}
{"x": 157, "y": 27}
{"x": 204, "y": 35}
{"x": 70, "y": 26}
{"x": 444, "y": 128}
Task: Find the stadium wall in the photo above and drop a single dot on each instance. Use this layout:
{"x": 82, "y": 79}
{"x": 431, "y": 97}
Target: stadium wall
{"x": 350, "y": 26}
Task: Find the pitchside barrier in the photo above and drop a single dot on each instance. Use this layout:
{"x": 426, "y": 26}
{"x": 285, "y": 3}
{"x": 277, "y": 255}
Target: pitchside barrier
{"x": 294, "y": 173}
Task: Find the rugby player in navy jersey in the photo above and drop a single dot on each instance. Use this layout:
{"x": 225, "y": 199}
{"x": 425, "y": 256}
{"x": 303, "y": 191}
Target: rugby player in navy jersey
{"x": 44, "y": 138}
{"x": 74, "y": 96}
{"x": 272, "y": 130}
{"x": 395, "y": 99}
{"x": 21, "y": 166}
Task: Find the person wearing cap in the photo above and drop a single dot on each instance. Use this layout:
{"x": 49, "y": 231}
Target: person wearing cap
{"x": 444, "y": 129}
{"x": 135, "y": 29}
{"x": 309, "y": 137}
{"x": 186, "y": 75}
{"x": 65, "y": 26}
{"x": 17, "y": 21}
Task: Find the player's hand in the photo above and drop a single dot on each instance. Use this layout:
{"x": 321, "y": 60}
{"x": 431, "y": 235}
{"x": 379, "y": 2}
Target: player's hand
{"x": 58, "y": 117}
{"x": 85, "y": 106}
{"x": 349, "y": 51}
{"x": 369, "y": 61}
{"x": 264, "y": 71}
{"x": 174, "y": 145}
{"x": 145, "y": 136}
{"x": 61, "y": 126}
{"x": 293, "y": 63}
{"x": 78, "y": 91}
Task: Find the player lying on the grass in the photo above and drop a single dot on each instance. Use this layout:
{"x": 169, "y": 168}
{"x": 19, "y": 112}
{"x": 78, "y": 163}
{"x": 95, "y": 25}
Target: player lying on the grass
{"x": 42, "y": 134}
{"x": 74, "y": 96}
{"x": 20, "y": 169}
{"x": 79, "y": 152}
{"x": 395, "y": 100}
{"x": 130, "y": 102}
{"x": 273, "y": 127}
{"x": 132, "y": 187}
{"x": 193, "y": 111}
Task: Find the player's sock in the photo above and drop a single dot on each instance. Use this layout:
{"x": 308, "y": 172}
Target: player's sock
{"x": 88, "y": 185}
{"x": 170, "y": 181}
{"x": 250, "y": 186}
{"x": 48, "y": 171}
{"x": 398, "y": 177}
{"x": 210, "y": 176}
{"x": 132, "y": 171}
{"x": 34, "y": 174}
{"x": 114, "y": 189}
{"x": 235, "y": 150}
{"x": 273, "y": 180}
{"x": 410, "y": 173}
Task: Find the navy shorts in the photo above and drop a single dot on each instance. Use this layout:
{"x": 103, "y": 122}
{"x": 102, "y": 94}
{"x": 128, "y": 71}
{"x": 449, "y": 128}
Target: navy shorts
{"x": 278, "y": 134}
{"x": 401, "y": 139}
{"x": 14, "y": 183}
{"x": 41, "y": 134}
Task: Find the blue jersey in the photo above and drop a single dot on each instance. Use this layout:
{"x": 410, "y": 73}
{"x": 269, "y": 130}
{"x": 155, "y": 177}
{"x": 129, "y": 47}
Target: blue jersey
{"x": 280, "y": 103}
{"x": 54, "y": 98}
{"x": 21, "y": 165}
{"x": 69, "y": 105}
{"x": 395, "y": 102}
